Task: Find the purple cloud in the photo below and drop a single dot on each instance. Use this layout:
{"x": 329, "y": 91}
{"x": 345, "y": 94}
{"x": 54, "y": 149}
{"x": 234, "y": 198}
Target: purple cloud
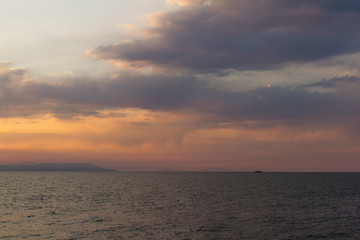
{"x": 243, "y": 35}
{"x": 169, "y": 93}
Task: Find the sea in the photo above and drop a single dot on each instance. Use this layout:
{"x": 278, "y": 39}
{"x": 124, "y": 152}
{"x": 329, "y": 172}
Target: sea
{"x": 179, "y": 205}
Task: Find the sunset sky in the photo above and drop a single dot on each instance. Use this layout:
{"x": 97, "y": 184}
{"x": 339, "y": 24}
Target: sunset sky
{"x": 199, "y": 85}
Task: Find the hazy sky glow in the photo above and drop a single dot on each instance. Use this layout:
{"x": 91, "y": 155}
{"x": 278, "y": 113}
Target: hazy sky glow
{"x": 231, "y": 85}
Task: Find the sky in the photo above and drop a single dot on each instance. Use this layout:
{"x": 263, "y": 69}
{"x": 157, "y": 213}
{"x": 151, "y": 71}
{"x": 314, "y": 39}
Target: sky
{"x": 181, "y": 85}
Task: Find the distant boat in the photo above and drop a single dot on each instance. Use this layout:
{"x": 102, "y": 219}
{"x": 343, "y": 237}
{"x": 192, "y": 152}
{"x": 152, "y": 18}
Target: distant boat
{"x": 258, "y": 171}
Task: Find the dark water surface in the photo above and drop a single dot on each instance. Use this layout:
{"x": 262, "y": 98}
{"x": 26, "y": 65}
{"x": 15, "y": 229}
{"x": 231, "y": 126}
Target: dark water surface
{"x": 65, "y": 205}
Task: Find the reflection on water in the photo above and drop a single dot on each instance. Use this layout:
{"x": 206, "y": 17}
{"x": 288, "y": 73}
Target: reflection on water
{"x": 59, "y": 205}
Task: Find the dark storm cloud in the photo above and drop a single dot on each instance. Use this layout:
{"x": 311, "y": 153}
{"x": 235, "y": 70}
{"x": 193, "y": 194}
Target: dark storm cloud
{"x": 256, "y": 34}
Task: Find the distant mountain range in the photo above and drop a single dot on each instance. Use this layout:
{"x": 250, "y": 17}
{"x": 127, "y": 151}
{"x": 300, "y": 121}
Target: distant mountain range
{"x": 59, "y": 167}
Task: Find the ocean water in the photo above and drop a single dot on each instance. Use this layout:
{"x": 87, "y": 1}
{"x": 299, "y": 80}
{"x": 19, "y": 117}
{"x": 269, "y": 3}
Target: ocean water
{"x": 75, "y": 205}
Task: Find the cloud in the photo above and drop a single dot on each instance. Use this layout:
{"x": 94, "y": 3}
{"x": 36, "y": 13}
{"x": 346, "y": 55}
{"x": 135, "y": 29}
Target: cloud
{"x": 76, "y": 97}
{"x": 178, "y": 117}
{"x": 243, "y": 35}
{"x": 12, "y": 81}
{"x": 199, "y": 108}
{"x": 184, "y": 3}
{"x": 333, "y": 82}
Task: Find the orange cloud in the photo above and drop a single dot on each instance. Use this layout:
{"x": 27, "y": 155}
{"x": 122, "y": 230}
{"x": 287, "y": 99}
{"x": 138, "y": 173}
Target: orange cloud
{"x": 133, "y": 138}
{"x": 184, "y": 3}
